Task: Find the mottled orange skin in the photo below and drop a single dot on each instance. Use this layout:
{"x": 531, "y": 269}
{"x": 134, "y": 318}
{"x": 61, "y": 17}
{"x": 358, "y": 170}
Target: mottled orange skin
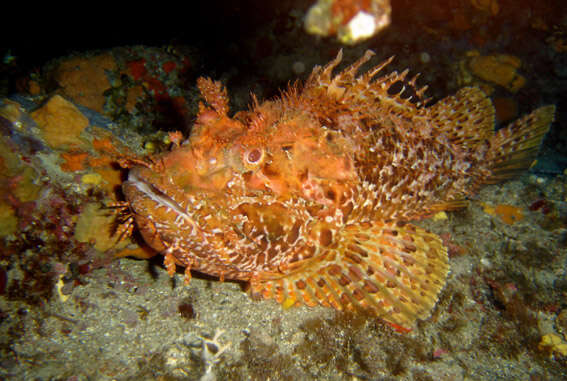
{"x": 236, "y": 196}
{"x": 307, "y": 196}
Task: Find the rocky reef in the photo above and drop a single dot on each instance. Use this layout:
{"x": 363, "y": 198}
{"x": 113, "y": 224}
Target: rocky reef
{"x": 77, "y": 302}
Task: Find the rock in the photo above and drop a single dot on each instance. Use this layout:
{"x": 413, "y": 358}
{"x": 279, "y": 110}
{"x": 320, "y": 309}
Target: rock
{"x": 500, "y": 69}
{"x": 84, "y": 79}
{"x": 506, "y": 109}
{"x": 60, "y": 121}
{"x": 95, "y": 225}
{"x": 8, "y": 220}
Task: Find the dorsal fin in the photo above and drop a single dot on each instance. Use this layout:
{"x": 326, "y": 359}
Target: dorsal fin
{"x": 466, "y": 118}
{"x": 366, "y": 94}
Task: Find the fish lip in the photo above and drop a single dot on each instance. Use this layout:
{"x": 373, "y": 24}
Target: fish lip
{"x": 133, "y": 176}
{"x": 153, "y": 192}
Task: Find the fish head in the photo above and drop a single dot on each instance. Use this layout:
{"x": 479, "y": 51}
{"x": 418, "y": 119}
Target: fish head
{"x": 179, "y": 188}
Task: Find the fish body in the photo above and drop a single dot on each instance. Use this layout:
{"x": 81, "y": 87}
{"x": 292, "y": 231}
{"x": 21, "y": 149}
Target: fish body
{"x": 308, "y": 197}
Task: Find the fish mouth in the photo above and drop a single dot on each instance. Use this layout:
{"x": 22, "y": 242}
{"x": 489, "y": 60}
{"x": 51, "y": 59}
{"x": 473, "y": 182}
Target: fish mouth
{"x": 137, "y": 189}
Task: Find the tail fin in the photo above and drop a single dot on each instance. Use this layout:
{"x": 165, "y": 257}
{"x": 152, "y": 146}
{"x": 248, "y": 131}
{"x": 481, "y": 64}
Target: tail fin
{"x": 395, "y": 272}
{"x": 515, "y": 147}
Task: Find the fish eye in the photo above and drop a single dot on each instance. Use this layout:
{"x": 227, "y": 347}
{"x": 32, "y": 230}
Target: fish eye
{"x": 253, "y": 156}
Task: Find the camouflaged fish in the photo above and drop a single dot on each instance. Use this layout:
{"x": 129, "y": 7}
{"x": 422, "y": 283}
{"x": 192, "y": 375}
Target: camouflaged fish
{"x": 307, "y": 197}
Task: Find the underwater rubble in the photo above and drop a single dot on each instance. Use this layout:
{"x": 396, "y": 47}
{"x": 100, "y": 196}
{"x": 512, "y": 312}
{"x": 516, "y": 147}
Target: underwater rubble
{"x": 79, "y": 303}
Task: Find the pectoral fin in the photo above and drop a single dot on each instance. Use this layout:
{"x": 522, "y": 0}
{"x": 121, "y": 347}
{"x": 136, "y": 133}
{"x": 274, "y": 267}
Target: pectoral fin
{"x": 395, "y": 272}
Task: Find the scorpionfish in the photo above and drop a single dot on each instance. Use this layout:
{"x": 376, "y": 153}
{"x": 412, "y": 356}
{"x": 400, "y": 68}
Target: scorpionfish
{"x": 308, "y": 197}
